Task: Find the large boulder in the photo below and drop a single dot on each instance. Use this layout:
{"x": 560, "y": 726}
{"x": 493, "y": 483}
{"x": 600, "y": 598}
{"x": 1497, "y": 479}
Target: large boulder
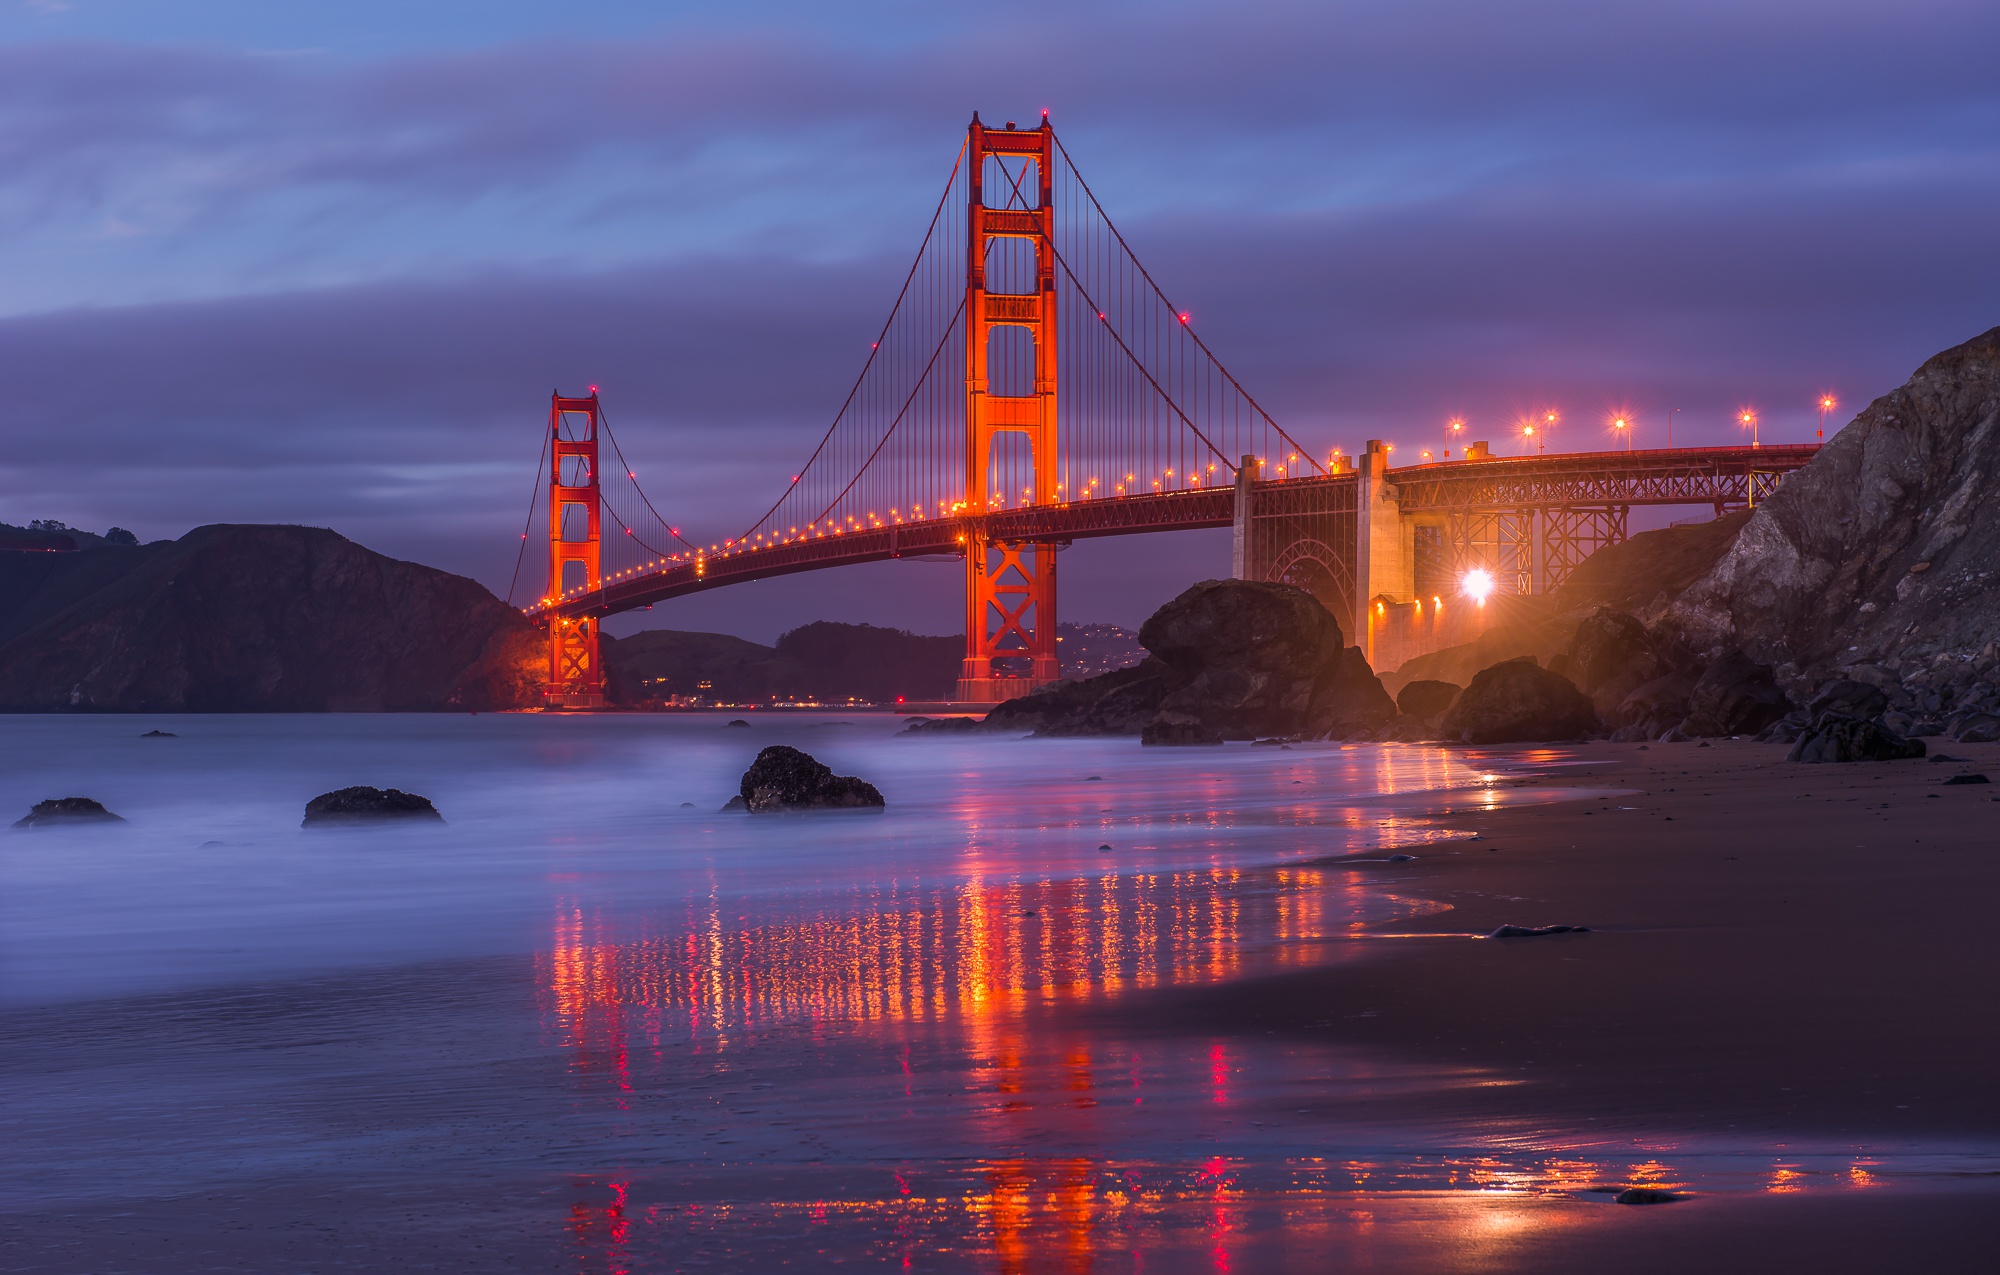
{"x": 1834, "y": 738}
{"x": 1253, "y": 658}
{"x": 1654, "y": 708}
{"x": 1519, "y": 701}
{"x": 1880, "y": 551}
{"x": 368, "y": 805}
{"x": 63, "y": 810}
{"x": 1612, "y": 655}
{"x": 1735, "y": 696}
{"x": 783, "y": 778}
{"x": 1426, "y": 698}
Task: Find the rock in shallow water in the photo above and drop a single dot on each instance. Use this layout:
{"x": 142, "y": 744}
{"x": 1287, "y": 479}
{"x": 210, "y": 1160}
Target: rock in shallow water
{"x": 783, "y": 778}
{"x": 63, "y": 810}
{"x": 1536, "y": 931}
{"x": 367, "y": 805}
{"x": 1647, "y": 1195}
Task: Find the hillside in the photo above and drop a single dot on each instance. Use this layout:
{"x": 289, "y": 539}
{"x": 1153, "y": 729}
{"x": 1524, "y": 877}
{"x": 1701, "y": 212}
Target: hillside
{"x": 254, "y": 619}
{"x": 1642, "y": 577}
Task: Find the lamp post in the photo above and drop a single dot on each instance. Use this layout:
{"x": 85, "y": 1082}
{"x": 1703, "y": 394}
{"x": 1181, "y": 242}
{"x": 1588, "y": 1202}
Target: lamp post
{"x": 1749, "y": 418}
{"x": 1624, "y": 429}
{"x": 1827, "y": 403}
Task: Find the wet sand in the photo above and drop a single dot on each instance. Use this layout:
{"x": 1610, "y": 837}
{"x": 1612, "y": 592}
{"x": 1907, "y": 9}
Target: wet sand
{"x": 1798, "y": 958}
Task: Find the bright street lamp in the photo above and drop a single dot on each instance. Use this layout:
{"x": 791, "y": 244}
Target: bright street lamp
{"x": 1624, "y": 429}
{"x": 1749, "y": 418}
{"x": 1827, "y": 403}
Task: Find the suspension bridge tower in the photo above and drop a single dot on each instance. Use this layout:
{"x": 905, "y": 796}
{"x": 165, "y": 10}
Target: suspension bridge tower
{"x": 576, "y": 673}
{"x": 1010, "y": 587}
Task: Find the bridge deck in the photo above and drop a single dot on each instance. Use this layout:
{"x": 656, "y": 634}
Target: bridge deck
{"x": 1682, "y": 476}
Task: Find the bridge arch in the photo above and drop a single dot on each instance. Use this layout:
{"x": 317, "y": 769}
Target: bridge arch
{"x": 1318, "y": 570}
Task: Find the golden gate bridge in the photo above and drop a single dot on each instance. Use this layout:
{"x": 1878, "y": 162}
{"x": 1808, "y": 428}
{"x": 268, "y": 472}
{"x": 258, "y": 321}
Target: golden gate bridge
{"x": 1033, "y": 385}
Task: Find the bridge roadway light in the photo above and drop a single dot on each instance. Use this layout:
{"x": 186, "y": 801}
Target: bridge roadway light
{"x": 1749, "y": 418}
{"x": 1827, "y": 403}
{"x": 1624, "y": 429}
{"x": 1476, "y": 584}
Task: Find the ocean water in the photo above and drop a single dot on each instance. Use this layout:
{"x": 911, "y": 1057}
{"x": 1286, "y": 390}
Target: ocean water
{"x": 661, "y": 1033}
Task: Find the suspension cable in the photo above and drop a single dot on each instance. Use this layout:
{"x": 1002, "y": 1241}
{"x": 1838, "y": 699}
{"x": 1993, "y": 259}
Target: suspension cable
{"x": 1220, "y": 366}
{"x": 528, "y": 524}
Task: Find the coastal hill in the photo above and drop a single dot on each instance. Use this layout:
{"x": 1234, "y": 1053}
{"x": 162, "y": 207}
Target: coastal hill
{"x": 254, "y": 619}
{"x": 825, "y": 661}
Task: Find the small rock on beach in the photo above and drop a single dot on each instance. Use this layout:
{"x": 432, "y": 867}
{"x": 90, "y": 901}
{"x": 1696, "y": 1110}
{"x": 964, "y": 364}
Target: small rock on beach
{"x": 62, "y": 810}
{"x": 367, "y": 805}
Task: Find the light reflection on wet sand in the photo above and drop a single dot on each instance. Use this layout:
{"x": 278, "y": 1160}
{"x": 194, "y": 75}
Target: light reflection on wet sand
{"x": 961, "y": 1107}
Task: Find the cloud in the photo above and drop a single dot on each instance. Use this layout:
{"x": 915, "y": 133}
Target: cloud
{"x": 337, "y": 290}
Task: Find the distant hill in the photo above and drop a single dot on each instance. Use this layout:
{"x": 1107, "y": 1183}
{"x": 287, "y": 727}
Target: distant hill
{"x": 826, "y": 661}
{"x": 254, "y": 619}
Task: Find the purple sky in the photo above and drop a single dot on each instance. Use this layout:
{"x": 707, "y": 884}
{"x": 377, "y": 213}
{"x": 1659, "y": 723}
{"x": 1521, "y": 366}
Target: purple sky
{"x": 268, "y": 266}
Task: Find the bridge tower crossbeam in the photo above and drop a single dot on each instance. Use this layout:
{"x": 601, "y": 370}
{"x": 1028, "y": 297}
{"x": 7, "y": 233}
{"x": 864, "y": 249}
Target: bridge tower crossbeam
{"x": 1010, "y": 587}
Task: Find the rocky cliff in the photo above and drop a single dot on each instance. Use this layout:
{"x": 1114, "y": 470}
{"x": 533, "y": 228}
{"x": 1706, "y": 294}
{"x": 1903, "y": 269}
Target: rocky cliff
{"x": 255, "y": 619}
{"x": 1883, "y": 553}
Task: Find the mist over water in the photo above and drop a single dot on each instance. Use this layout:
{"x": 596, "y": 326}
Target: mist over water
{"x": 661, "y": 1025}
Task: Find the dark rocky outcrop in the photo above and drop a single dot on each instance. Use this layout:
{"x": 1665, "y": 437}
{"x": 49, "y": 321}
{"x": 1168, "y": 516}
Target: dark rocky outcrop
{"x": 1426, "y": 698}
{"x": 1849, "y": 699}
{"x": 66, "y": 810}
{"x": 255, "y": 619}
{"x": 783, "y": 778}
{"x": 1880, "y": 553}
{"x": 1178, "y": 729}
{"x": 1536, "y": 931}
{"x": 1734, "y": 696}
{"x": 368, "y": 805}
{"x": 1231, "y": 659}
{"x": 1519, "y": 701}
{"x": 1835, "y": 738}
{"x": 1612, "y": 655}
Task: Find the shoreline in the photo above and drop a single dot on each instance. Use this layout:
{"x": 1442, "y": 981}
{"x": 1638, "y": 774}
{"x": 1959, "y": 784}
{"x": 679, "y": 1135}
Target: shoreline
{"x": 1775, "y": 949}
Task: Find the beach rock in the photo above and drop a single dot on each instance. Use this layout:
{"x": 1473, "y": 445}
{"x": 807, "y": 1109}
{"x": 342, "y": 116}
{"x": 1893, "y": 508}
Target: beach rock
{"x": 734, "y": 803}
{"x": 159, "y": 734}
{"x": 735, "y": 721}
{"x": 1981, "y": 729}
{"x": 1835, "y": 738}
{"x": 1536, "y": 931}
{"x": 1254, "y": 658}
{"x": 1734, "y": 696}
{"x": 1878, "y": 553}
{"x": 1966, "y": 779}
{"x": 1427, "y": 698}
{"x": 1647, "y": 1195}
{"x": 62, "y": 810}
{"x": 783, "y": 778}
{"x": 1611, "y": 656}
{"x": 1848, "y": 698}
{"x": 1653, "y": 708}
{"x": 1178, "y": 729}
{"x": 368, "y": 805}
{"x": 1518, "y": 701}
